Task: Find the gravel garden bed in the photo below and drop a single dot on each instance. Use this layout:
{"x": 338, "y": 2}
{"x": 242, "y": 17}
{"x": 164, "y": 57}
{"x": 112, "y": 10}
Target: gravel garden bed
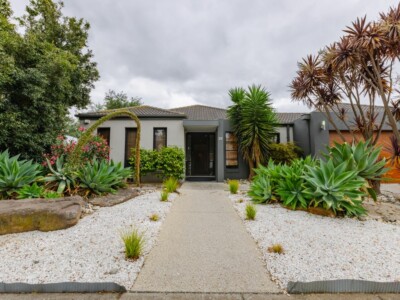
{"x": 323, "y": 248}
{"x": 91, "y": 251}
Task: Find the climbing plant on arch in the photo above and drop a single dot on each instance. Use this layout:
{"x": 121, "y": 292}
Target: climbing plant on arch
{"x": 74, "y": 159}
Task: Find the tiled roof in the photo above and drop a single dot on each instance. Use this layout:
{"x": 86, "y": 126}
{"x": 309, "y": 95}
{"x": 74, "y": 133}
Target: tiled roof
{"x": 144, "y": 111}
{"x": 201, "y": 112}
{"x": 365, "y": 108}
{"x": 288, "y": 118}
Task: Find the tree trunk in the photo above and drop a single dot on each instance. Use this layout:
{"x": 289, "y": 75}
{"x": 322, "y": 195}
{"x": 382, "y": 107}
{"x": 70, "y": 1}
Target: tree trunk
{"x": 251, "y": 167}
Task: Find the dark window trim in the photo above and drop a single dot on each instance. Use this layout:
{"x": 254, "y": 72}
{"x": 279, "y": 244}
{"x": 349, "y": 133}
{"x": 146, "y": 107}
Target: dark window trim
{"x": 237, "y": 152}
{"x": 278, "y": 137}
{"x": 109, "y": 133}
{"x": 126, "y": 161}
{"x": 154, "y": 136}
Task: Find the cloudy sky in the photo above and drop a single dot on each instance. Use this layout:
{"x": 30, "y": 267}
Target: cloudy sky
{"x": 180, "y": 52}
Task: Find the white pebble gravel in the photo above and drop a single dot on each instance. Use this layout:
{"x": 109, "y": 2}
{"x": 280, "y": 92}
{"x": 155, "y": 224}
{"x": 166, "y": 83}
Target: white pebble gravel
{"x": 91, "y": 251}
{"x": 323, "y": 248}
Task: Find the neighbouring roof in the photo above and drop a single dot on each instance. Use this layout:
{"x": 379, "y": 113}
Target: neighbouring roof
{"x": 201, "y": 112}
{"x": 142, "y": 111}
{"x": 288, "y": 118}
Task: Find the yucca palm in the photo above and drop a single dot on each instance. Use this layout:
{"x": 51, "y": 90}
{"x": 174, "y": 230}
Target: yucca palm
{"x": 254, "y": 122}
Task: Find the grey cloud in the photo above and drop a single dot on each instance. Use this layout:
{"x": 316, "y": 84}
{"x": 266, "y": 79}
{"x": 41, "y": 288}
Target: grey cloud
{"x": 176, "y": 51}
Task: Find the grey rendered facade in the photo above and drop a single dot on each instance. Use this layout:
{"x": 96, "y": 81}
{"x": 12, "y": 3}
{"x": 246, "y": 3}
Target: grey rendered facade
{"x": 200, "y": 130}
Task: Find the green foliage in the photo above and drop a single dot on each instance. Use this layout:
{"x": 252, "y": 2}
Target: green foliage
{"x": 154, "y": 217}
{"x": 52, "y": 195}
{"x": 74, "y": 162}
{"x": 100, "y": 177}
{"x": 251, "y": 212}
{"x": 31, "y": 191}
{"x": 292, "y": 186}
{"x": 16, "y": 173}
{"x": 284, "y": 152}
{"x": 168, "y": 162}
{"x": 335, "y": 187}
{"x": 134, "y": 243}
{"x": 254, "y": 121}
{"x": 45, "y": 69}
{"x": 116, "y": 100}
{"x": 260, "y": 190}
{"x": 276, "y": 248}
{"x": 60, "y": 178}
{"x": 171, "y": 185}
{"x": 233, "y": 186}
{"x": 164, "y": 196}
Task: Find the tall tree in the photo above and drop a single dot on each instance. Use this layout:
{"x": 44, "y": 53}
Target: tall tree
{"x": 115, "y": 100}
{"x": 254, "y": 123}
{"x": 45, "y": 69}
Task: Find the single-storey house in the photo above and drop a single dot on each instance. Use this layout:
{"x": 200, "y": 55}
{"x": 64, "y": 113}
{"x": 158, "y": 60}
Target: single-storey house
{"x": 204, "y": 132}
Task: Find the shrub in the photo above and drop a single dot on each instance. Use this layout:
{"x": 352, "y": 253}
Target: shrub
{"x": 171, "y": 162}
{"x": 52, "y": 195}
{"x": 100, "y": 177}
{"x": 59, "y": 177}
{"x": 284, "y": 153}
{"x": 95, "y": 148}
{"x": 30, "y": 191}
{"x": 335, "y": 187}
{"x": 233, "y": 186}
{"x": 164, "y": 196}
{"x": 154, "y": 217}
{"x": 171, "y": 185}
{"x": 134, "y": 243}
{"x": 276, "y": 248}
{"x": 291, "y": 187}
{"x": 16, "y": 173}
{"x": 251, "y": 212}
{"x": 168, "y": 162}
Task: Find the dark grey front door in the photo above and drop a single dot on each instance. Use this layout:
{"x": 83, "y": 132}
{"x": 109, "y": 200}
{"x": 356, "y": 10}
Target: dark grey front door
{"x": 200, "y": 153}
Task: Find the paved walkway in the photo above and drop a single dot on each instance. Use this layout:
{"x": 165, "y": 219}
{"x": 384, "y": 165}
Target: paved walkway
{"x": 204, "y": 247}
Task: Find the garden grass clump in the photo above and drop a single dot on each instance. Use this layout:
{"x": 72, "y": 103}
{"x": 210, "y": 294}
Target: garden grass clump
{"x": 251, "y": 212}
{"x": 164, "y": 196}
{"x": 240, "y": 201}
{"x": 233, "y": 186}
{"x": 154, "y": 217}
{"x": 134, "y": 243}
{"x": 276, "y": 248}
{"x": 171, "y": 185}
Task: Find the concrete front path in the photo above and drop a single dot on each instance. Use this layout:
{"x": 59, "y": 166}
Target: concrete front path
{"x": 204, "y": 247}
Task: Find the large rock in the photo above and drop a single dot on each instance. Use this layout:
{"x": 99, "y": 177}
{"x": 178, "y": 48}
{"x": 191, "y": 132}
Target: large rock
{"x": 121, "y": 196}
{"x": 39, "y": 214}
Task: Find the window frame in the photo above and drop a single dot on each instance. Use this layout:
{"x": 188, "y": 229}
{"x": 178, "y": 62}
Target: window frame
{"x": 126, "y": 159}
{"x": 237, "y": 151}
{"x": 154, "y": 136}
{"x": 109, "y": 134}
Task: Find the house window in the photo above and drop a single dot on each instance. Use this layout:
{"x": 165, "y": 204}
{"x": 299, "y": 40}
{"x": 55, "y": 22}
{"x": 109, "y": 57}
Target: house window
{"x": 277, "y": 138}
{"x": 130, "y": 142}
{"x": 231, "y": 150}
{"x": 105, "y": 134}
{"x": 159, "y": 138}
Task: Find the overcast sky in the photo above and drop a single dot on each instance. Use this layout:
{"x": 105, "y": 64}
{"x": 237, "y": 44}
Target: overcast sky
{"x": 181, "y": 52}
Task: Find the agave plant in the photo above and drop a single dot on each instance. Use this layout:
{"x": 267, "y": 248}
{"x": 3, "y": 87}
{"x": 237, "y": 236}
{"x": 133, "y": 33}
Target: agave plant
{"x": 260, "y": 190}
{"x": 335, "y": 187}
{"x": 60, "y": 176}
{"x": 291, "y": 187}
{"x": 31, "y": 191}
{"x": 16, "y": 173}
{"x": 100, "y": 177}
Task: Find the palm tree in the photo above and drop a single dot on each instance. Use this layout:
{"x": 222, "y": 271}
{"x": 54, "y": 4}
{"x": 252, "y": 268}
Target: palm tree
{"x": 254, "y": 122}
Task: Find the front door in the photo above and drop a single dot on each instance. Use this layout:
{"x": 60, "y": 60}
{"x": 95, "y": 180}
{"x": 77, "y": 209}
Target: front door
{"x": 200, "y": 151}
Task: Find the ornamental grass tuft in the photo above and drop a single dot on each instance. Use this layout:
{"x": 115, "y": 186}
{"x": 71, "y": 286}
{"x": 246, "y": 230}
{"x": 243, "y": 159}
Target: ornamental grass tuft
{"x": 164, "y": 196}
{"x": 154, "y": 217}
{"x": 233, "y": 186}
{"x": 171, "y": 185}
{"x": 134, "y": 243}
{"x": 276, "y": 248}
{"x": 251, "y": 212}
